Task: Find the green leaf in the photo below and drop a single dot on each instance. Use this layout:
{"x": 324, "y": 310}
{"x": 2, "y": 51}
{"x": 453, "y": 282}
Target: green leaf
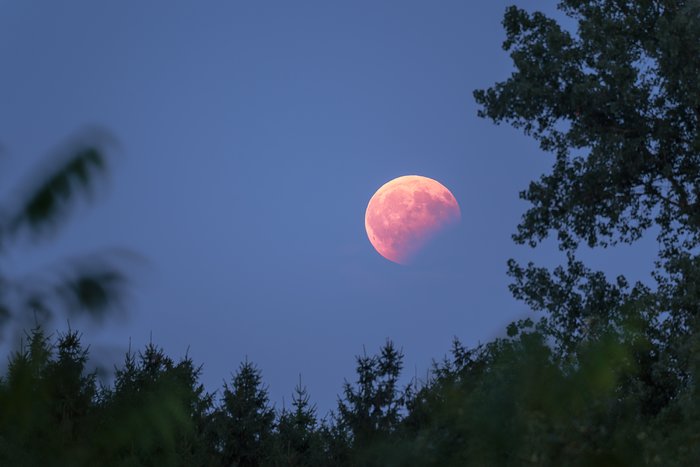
{"x": 94, "y": 291}
{"x": 51, "y": 194}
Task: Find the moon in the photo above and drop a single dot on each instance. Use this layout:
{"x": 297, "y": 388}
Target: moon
{"x": 405, "y": 213}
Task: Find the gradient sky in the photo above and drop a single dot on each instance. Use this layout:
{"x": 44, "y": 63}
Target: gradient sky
{"x": 252, "y": 135}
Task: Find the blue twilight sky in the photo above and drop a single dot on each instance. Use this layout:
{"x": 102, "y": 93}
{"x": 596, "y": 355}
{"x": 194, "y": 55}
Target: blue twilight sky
{"x": 252, "y": 135}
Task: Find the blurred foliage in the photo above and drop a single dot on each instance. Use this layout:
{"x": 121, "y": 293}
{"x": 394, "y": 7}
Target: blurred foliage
{"x": 607, "y": 373}
{"x": 40, "y": 205}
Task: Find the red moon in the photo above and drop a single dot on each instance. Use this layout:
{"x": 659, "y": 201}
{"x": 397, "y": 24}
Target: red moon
{"x": 405, "y": 213}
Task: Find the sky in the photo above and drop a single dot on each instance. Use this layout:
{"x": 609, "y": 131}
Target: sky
{"x": 251, "y": 136}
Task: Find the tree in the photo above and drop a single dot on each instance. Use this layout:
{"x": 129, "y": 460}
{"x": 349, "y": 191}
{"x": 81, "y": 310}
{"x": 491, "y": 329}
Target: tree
{"x": 371, "y": 409}
{"x": 42, "y": 203}
{"x": 511, "y": 402}
{"x": 621, "y": 94}
{"x": 244, "y": 420}
{"x": 156, "y": 414}
{"x": 618, "y": 103}
{"x": 296, "y": 439}
{"x": 46, "y": 402}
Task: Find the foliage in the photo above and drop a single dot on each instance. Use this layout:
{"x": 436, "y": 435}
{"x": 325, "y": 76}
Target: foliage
{"x": 45, "y": 400}
{"x": 512, "y": 401}
{"x": 244, "y": 421}
{"x": 41, "y": 204}
{"x": 157, "y": 412}
{"x": 371, "y": 408}
{"x": 617, "y": 102}
{"x": 53, "y": 412}
{"x": 297, "y": 441}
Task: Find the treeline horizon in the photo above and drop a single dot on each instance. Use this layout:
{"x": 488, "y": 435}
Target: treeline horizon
{"x": 500, "y": 403}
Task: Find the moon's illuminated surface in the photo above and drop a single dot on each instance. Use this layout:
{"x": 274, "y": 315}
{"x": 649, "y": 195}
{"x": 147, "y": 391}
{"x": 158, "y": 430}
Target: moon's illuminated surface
{"x": 405, "y": 213}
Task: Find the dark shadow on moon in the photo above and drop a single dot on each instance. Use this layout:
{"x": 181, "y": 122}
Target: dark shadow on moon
{"x": 444, "y": 249}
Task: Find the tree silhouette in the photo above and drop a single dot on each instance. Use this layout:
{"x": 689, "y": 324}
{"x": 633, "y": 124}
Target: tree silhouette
{"x": 371, "y": 410}
{"x": 157, "y": 412}
{"x": 296, "y": 441}
{"x": 618, "y": 104}
{"x": 244, "y": 420}
{"x": 46, "y": 400}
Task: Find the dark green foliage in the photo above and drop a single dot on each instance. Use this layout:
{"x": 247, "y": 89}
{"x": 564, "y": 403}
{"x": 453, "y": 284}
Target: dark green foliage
{"x": 372, "y": 407}
{"x": 297, "y": 441}
{"x": 157, "y": 413}
{"x": 53, "y": 413}
{"x": 512, "y": 401}
{"x": 93, "y": 289}
{"x": 42, "y": 203}
{"x": 48, "y": 202}
{"x": 244, "y": 420}
{"x": 46, "y": 401}
{"x": 617, "y": 101}
{"x": 370, "y": 411}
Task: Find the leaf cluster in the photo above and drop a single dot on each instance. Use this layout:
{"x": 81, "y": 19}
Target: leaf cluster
{"x": 39, "y": 206}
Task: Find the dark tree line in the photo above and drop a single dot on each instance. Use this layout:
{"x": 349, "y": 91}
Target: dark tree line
{"x": 605, "y": 373}
{"x": 55, "y": 412}
{"x": 513, "y": 401}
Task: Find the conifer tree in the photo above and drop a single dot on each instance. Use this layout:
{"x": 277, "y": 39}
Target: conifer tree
{"x": 157, "y": 412}
{"x": 244, "y": 419}
{"x": 371, "y": 408}
{"x": 46, "y": 402}
{"x": 297, "y": 442}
